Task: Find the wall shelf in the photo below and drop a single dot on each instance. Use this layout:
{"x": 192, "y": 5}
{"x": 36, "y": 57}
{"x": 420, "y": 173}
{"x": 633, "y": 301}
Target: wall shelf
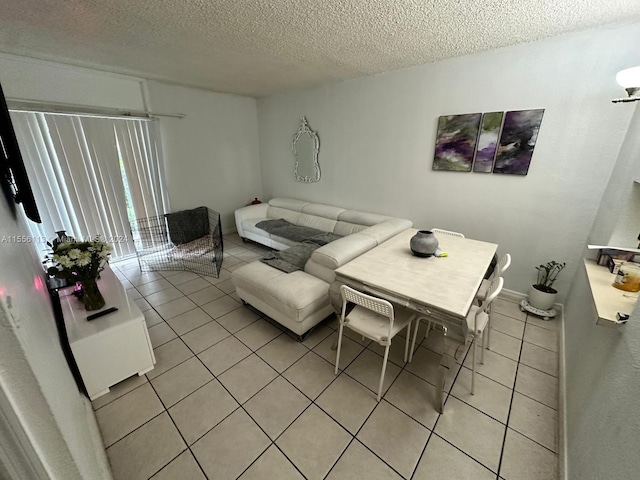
{"x": 608, "y": 299}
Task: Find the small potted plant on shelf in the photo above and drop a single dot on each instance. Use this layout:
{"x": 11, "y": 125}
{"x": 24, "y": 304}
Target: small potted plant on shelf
{"x": 542, "y": 295}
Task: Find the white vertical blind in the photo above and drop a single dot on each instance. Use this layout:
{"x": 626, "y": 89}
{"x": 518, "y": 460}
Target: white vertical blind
{"x": 139, "y": 146}
{"x": 73, "y": 163}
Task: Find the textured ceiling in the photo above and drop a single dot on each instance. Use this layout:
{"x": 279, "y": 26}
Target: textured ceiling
{"x": 259, "y": 47}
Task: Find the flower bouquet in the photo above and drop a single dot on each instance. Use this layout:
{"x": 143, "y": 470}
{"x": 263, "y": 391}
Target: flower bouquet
{"x": 81, "y": 262}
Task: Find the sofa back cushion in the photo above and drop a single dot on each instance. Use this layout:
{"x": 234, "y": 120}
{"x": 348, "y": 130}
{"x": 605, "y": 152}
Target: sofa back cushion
{"x": 322, "y": 210}
{"x": 277, "y": 212}
{"x": 288, "y": 203}
{"x": 362, "y": 218}
{"x": 319, "y": 223}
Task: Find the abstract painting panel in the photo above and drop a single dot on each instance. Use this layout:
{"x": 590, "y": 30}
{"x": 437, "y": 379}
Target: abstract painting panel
{"x": 456, "y": 142}
{"x": 518, "y": 139}
{"x": 488, "y": 142}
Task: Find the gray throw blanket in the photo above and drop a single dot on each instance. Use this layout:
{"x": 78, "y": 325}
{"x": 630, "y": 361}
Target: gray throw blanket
{"x": 292, "y": 259}
{"x": 284, "y": 229}
{"x": 188, "y": 225}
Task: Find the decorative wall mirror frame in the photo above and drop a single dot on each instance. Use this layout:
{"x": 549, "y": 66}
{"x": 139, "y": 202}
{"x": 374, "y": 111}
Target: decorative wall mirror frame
{"x": 306, "y": 147}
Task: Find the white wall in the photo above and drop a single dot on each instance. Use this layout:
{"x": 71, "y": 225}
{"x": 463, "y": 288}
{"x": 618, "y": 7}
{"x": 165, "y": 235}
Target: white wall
{"x": 34, "y": 374}
{"x": 27, "y": 79}
{"x": 211, "y": 159}
{"x": 603, "y": 365}
{"x": 211, "y": 155}
{"x": 377, "y": 142}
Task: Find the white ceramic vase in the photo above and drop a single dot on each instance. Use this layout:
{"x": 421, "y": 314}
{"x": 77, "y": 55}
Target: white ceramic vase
{"x": 540, "y": 299}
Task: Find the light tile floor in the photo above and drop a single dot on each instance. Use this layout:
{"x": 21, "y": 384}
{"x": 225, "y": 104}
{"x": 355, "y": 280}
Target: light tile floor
{"x": 233, "y": 395}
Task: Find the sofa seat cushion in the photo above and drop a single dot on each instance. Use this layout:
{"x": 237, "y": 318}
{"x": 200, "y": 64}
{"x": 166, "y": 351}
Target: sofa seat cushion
{"x": 296, "y": 295}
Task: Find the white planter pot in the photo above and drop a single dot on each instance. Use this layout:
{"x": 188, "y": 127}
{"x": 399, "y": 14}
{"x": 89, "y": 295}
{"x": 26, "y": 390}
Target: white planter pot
{"x": 540, "y": 299}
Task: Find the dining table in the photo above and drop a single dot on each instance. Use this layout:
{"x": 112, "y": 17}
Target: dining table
{"x": 439, "y": 288}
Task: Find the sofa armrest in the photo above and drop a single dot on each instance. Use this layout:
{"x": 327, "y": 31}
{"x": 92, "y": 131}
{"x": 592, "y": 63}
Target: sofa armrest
{"x": 339, "y": 252}
{"x": 387, "y": 229}
{"x": 252, "y": 212}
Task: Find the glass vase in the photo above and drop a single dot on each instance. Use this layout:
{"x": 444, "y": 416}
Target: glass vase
{"x": 91, "y": 296}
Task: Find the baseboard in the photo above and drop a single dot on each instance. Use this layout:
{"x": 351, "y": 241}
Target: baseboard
{"x": 98, "y": 449}
{"x": 512, "y": 295}
{"x": 562, "y": 401}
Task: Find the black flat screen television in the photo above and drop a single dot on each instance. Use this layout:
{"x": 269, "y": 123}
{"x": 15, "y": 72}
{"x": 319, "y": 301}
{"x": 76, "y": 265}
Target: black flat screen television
{"x": 13, "y": 176}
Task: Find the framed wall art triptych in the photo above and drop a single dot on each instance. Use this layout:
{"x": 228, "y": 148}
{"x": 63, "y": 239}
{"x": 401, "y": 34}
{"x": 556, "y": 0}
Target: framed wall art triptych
{"x": 493, "y": 142}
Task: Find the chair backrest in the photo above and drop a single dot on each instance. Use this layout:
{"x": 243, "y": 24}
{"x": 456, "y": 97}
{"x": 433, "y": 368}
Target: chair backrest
{"x": 482, "y": 314}
{"x": 502, "y": 266}
{"x": 493, "y": 292}
{"x": 374, "y": 304}
{"x": 439, "y": 231}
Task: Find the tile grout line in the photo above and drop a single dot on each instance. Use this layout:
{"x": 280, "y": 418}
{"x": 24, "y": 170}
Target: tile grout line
{"x": 513, "y": 393}
{"x": 435, "y": 424}
{"x": 310, "y": 349}
{"x": 166, "y": 410}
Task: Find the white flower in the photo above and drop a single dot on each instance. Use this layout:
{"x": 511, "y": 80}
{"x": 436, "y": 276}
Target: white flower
{"x": 74, "y": 253}
{"x": 85, "y": 259}
{"x": 82, "y": 257}
{"x": 63, "y": 260}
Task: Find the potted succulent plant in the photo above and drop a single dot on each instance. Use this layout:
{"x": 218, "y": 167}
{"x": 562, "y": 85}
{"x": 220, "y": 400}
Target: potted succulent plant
{"x": 542, "y": 295}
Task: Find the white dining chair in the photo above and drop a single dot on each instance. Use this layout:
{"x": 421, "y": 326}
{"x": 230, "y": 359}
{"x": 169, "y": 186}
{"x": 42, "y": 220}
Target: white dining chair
{"x": 376, "y": 319}
{"x": 477, "y": 320}
{"x": 501, "y": 267}
{"x": 439, "y": 231}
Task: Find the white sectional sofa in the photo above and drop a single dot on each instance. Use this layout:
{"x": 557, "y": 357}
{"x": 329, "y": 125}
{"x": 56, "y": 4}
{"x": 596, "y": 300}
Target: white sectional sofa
{"x": 299, "y": 300}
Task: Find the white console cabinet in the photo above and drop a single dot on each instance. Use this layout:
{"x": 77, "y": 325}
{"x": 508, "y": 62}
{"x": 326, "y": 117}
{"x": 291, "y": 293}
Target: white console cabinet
{"x": 110, "y": 348}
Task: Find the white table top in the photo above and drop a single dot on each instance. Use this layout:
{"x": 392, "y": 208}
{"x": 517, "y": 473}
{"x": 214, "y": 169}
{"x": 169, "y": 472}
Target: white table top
{"x": 448, "y": 284}
{"x": 75, "y": 316}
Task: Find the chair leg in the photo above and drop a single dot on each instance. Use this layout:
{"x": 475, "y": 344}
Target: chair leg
{"x": 413, "y": 343}
{"x": 384, "y": 369}
{"x": 482, "y": 348}
{"x": 488, "y": 328}
{"x": 335, "y": 372}
{"x": 429, "y": 325}
{"x": 473, "y": 366}
{"x": 406, "y": 342}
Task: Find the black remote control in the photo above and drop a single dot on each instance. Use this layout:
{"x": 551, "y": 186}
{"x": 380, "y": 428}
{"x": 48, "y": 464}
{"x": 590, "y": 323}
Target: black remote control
{"x": 104, "y": 312}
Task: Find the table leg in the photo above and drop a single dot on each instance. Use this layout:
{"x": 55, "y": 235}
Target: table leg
{"x": 451, "y": 346}
{"x": 443, "y": 371}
